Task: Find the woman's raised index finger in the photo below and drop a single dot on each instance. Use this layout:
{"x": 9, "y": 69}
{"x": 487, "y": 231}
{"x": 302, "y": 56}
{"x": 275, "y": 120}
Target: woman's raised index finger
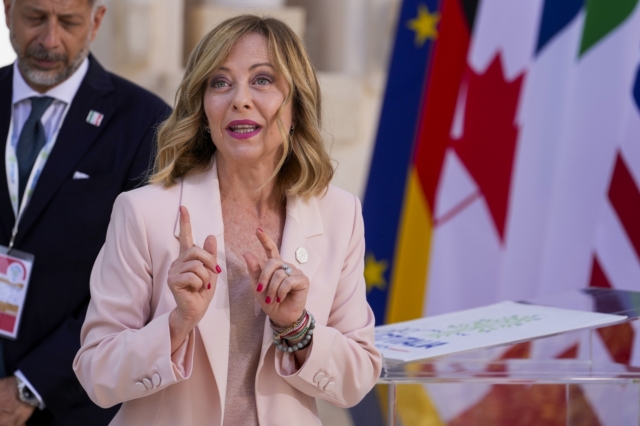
{"x": 269, "y": 246}
{"x": 186, "y": 239}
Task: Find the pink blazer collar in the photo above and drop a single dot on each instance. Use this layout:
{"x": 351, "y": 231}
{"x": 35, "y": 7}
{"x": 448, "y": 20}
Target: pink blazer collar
{"x": 201, "y": 195}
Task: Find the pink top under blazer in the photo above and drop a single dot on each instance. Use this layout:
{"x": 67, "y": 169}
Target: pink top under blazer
{"x": 126, "y": 355}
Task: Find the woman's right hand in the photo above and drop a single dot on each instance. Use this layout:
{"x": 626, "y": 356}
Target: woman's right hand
{"x": 192, "y": 280}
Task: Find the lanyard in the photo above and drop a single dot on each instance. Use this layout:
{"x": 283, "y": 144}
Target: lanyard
{"x": 11, "y": 165}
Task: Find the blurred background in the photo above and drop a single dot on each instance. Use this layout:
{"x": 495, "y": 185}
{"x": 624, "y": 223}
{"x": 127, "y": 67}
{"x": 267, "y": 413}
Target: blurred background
{"x": 495, "y": 145}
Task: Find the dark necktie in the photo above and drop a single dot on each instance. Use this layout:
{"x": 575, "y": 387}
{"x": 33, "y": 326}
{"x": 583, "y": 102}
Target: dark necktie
{"x": 31, "y": 141}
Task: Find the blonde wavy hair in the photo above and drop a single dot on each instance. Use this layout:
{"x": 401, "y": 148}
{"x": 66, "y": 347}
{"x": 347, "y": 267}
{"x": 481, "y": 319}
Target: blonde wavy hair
{"x": 183, "y": 145}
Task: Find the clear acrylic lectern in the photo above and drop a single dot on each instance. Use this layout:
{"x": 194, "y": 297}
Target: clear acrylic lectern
{"x": 586, "y": 367}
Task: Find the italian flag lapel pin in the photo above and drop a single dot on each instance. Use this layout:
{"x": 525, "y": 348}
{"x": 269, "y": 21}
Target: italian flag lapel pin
{"x": 95, "y": 118}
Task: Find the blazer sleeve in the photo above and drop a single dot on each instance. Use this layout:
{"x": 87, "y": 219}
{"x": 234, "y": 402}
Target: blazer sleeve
{"x": 121, "y": 345}
{"x": 343, "y": 351}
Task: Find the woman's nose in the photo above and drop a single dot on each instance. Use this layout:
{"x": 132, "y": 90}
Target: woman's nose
{"x": 242, "y": 98}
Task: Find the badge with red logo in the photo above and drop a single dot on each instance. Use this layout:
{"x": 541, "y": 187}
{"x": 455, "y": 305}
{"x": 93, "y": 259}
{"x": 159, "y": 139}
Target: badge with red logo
{"x": 15, "y": 271}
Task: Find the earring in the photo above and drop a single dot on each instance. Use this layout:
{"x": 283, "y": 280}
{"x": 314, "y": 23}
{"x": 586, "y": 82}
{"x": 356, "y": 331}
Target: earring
{"x": 291, "y": 130}
{"x": 206, "y": 129}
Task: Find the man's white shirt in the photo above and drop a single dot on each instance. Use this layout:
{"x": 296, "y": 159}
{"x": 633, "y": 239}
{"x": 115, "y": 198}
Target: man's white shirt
{"x": 53, "y": 117}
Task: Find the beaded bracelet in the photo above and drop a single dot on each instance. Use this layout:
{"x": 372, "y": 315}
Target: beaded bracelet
{"x": 281, "y": 344}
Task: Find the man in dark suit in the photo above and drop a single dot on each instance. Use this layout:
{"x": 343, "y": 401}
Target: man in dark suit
{"x": 97, "y": 130}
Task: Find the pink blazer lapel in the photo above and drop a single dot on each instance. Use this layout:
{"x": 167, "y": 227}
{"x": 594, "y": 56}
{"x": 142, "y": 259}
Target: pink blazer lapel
{"x": 303, "y": 222}
{"x": 201, "y": 196}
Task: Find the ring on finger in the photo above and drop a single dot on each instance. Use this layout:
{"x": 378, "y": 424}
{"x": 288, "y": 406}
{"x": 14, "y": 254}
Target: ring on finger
{"x": 287, "y": 269}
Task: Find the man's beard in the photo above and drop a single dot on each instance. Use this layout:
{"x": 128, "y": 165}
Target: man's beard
{"x": 46, "y": 78}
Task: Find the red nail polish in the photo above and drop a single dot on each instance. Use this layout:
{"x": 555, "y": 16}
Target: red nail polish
{"x": 260, "y": 229}
{"x": 259, "y": 289}
{"x": 218, "y": 269}
{"x": 278, "y": 299}
{"x": 209, "y": 286}
{"x": 267, "y": 300}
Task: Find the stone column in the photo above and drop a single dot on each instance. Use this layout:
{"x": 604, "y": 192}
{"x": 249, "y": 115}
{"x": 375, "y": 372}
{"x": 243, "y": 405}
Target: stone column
{"x": 141, "y": 40}
{"x": 337, "y": 33}
{"x": 203, "y": 15}
{"x": 349, "y": 43}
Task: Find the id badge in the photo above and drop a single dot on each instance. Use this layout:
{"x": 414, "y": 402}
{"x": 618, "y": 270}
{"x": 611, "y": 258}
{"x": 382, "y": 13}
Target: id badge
{"x": 15, "y": 272}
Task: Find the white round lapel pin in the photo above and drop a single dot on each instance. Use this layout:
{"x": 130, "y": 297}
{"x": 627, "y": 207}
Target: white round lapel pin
{"x": 301, "y": 255}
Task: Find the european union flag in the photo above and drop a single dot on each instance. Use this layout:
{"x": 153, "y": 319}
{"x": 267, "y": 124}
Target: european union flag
{"x": 384, "y": 197}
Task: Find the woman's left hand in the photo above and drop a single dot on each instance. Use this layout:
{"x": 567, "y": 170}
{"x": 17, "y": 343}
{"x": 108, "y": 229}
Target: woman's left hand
{"x": 282, "y": 297}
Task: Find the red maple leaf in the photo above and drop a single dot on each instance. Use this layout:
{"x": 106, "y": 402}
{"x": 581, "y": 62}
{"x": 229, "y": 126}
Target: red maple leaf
{"x": 487, "y": 146}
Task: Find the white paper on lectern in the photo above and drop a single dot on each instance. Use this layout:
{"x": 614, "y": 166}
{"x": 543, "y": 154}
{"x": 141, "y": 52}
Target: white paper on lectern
{"x": 487, "y": 326}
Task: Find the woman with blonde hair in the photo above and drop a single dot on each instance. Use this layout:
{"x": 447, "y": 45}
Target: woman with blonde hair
{"x": 230, "y": 290}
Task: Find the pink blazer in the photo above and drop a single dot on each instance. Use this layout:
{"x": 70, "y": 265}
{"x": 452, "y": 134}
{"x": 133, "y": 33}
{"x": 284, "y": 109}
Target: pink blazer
{"x": 125, "y": 354}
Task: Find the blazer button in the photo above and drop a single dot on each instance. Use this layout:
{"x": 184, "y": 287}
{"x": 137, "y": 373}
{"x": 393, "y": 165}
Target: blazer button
{"x": 147, "y": 383}
{"x": 329, "y": 386}
{"x": 318, "y": 377}
{"x": 156, "y": 380}
{"x": 141, "y": 387}
{"x": 323, "y": 383}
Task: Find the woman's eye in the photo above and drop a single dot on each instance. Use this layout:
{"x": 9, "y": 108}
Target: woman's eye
{"x": 218, "y": 84}
{"x": 262, "y": 81}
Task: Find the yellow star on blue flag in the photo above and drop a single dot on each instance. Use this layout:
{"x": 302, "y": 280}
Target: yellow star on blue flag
{"x": 374, "y": 272}
{"x": 425, "y": 25}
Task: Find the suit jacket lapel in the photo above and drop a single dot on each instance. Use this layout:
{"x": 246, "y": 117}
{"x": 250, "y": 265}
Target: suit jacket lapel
{"x": 303, "y": 223}
{"x": 6, "y": 211}
{"x": 74, "y": 139}
{"x": 201, "y": 196}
